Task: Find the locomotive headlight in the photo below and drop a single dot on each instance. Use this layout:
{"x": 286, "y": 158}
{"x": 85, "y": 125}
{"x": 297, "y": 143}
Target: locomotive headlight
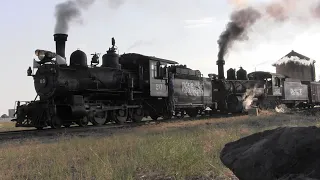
{"x": 41, "y": 54}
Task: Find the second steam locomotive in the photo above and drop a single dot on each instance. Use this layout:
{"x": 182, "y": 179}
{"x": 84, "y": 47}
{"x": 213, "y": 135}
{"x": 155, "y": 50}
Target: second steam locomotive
{"x": 133, "y": 86}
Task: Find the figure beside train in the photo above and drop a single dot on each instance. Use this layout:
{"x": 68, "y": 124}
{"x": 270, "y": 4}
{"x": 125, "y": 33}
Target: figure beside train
{"x": 132, "y": 86}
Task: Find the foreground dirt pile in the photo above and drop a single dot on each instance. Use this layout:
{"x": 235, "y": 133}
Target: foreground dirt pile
{"x": 282, "y": 153}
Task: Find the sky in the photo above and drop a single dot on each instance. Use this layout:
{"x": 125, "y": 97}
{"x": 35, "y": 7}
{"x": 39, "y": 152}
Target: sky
{"x": 185, "y": 31}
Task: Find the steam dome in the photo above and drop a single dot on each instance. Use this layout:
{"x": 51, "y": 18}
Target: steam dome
{"x": 78, "y": 58}
{"x": 242, "y": 74}
{"x": 231, "y": 74}
{"x": 111, "y": 59}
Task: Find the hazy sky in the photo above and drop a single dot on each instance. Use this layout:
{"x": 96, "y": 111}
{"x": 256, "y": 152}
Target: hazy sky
{"x": 182, "y": 30}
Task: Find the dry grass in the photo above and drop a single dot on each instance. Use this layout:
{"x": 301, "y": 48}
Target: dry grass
{"x": 178, "y": 150}
{"x": 9, "y": 126}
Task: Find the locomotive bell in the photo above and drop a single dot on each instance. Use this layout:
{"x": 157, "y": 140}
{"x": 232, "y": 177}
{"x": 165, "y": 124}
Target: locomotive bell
{"x": 78, "y": 58}
{"x": 95, "y": 59}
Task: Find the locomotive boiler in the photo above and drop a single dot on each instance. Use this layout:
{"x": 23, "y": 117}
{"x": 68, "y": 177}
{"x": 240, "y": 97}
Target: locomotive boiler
{"x": 75, "y": 92}
{"x": 54, "y": 79}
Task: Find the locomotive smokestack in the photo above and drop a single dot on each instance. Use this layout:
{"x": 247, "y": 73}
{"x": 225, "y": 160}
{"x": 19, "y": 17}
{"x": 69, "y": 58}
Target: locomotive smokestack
{"x": 220, "y": 63}
{"x": 60, "y": 40}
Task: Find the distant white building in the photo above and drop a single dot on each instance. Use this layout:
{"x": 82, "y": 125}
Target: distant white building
{"x": 11, "y": 113}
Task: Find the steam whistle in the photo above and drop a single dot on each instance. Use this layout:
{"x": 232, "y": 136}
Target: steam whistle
{"x": 113, "y": 41}
{"x": 95, "y": 59}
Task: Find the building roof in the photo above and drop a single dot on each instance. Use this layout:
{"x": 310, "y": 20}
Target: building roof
{"x": 295, "y": 58}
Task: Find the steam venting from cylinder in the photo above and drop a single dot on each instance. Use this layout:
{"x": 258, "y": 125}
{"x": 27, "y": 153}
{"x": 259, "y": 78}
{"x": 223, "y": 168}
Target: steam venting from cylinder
{"x": 248, "y": 97}
{"x": 60, "y": 40}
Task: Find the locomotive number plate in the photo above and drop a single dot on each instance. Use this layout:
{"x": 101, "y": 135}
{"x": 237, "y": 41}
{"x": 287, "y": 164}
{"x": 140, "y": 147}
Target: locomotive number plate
{"x": 159, "y": 87}
{"x": 42, "y": 81}
{"x": 296, "y": 92}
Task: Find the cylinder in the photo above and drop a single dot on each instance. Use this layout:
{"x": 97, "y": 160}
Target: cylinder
{"x": 235, "y": 104}
{"x": 60, "y": 40}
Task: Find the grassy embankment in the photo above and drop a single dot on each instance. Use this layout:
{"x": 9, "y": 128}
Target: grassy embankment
{"x": 178, "y": 150}
{"x": 9, "y": 126}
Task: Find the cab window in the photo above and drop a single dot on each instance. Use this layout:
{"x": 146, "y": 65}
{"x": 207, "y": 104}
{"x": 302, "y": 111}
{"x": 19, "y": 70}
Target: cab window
{"x": 277, "y": 82}
{"x": 155, "y": 67}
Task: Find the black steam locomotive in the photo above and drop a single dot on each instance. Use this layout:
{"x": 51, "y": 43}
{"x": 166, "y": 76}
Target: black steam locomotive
{"x": 133, "y": 86}
{"x": 125, "y": 88}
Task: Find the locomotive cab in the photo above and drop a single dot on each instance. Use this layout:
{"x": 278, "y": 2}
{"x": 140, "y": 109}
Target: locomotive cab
{"x": 159, "y": 76}
{"x": 273, "y": 82}
{"x": 151, "y": 72}
{"x": 151, "y": 77}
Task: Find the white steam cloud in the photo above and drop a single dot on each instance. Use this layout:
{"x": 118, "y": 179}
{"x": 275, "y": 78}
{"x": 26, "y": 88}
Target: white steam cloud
{"x": 249, "y": 95}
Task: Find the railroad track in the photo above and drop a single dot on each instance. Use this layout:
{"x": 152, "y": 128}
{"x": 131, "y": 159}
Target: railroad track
{"x": 305, "y": 111}
{"x": 46, "y": 132}
{"x": 74, "y": 130}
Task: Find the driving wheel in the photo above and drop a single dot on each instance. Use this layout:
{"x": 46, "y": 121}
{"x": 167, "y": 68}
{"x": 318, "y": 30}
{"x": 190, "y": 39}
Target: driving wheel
{"x": 137, "y": 115}
{"x": 55, "y": 122}
{"x": 83, "y": 121}
{"x": 120, "y": 116}
{"x": 98, "y": 118}
{"x": 192, "y": 113}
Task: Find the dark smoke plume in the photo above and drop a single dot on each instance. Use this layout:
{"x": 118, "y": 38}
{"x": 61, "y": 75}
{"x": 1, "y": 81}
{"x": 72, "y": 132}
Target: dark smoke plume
{"x": 278, "y": 10}
{"x": 236, "y": 29}
{"x": 71, "y": 10}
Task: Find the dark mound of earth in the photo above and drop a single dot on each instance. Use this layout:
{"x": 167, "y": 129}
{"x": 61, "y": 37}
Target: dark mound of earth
{"x": 282, "y": 153}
